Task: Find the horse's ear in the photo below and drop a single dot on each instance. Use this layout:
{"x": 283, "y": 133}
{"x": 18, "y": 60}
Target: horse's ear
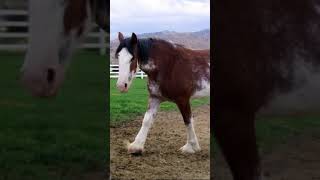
{"x": 120, "y": 37}
{"x": 134, "y": 39}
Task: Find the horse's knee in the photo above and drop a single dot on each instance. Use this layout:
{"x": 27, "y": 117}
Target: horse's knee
{"x": 148, "y": 119}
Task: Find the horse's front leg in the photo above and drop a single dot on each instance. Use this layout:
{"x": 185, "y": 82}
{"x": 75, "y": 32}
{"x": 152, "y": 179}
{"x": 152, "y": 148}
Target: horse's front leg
{"x": 192, "y": 144}
{"x": 234, "y": 130}
{"x": 137, "y": 146}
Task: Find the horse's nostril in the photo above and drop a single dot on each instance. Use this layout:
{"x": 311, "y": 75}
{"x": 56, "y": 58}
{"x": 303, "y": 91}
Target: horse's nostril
{"x": 51, "y": 75}
{"x": 125, "y": 85}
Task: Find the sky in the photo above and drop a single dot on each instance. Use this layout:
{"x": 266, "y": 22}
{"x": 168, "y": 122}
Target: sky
{"x": 144, "y": 16}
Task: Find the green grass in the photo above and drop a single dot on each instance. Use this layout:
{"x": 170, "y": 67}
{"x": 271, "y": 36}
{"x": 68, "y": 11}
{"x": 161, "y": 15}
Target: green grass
{"x": 274, "y": 131}
{"x": 125, "y": 106}
{"x": 60, "y": 138}
{"x": 67, "y": 137}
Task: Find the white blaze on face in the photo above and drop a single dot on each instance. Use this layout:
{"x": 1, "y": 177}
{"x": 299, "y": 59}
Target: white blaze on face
{"x": 125, "y": 75}
{"x": 49, "y": 48}
{"x": 46, "y": 24}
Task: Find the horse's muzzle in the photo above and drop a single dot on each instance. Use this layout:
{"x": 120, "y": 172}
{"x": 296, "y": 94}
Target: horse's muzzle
{"x": 41, "y": 84}
{"x": 122, "y": 87}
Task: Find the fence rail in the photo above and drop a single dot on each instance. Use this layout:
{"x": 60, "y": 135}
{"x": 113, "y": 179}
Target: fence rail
{"x": 100, "y": 42}
{"x": 114, "y": 72}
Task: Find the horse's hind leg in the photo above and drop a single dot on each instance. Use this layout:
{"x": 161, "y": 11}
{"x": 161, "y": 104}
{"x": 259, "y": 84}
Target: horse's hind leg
{"x": 137, "y": 146}
{"x": 192, "y": 144}
{"x": 234, "y": 130}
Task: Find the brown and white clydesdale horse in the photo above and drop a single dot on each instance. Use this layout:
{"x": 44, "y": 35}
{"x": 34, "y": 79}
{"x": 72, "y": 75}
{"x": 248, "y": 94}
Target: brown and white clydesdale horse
{"x": 175, "y": 74}
{"x": 266, "y": 61}
{"x": 55, "y": 29}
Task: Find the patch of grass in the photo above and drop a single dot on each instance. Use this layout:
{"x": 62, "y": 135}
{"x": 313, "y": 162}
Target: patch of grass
{"x": 125, "y": 106}
{"x": 59, "y": 138}
{"x": 274, "y": 131}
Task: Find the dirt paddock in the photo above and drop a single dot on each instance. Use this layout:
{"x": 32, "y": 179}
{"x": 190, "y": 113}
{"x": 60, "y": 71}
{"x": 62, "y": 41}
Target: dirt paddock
{"x": 297, "y": 159}
{"x": 162, "y": 158}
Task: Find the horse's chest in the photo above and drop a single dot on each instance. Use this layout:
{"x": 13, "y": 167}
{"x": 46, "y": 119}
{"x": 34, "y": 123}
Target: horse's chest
{"x": 202, "y": 82}
{"x": 303, "y": 98}
{"x": 202, "y": 89}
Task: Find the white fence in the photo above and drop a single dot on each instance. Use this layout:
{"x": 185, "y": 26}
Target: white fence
{"x": 114, "y": 72}
{"x": 100, "y": 42}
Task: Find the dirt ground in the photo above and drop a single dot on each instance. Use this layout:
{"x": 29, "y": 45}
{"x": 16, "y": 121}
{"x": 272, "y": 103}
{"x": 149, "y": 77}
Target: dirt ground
{"x": 162, "y": 158}
{"x": 298, "y": 159}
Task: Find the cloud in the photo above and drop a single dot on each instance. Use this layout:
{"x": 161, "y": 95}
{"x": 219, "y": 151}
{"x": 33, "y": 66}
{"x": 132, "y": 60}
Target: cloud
{"x": 156, "y": 15}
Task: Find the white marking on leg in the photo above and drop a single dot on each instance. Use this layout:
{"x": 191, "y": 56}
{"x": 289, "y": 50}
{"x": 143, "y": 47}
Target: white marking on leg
{"x": 138, "y": 144}
{"x": 192, "y": 144}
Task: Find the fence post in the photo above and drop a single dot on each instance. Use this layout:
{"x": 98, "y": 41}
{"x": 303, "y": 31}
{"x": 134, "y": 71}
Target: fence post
{"x": 102, "y": 42}
{"x": 100, "y": 35}
{"x": 114, "y": 72}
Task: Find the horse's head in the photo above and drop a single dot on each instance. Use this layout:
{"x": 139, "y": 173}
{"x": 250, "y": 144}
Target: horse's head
{"x": 128, "y": 61}
{"x": 55, "y": 29}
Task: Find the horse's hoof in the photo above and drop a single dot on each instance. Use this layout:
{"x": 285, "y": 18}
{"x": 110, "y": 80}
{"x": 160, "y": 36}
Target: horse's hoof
{"x": 134, "y": 149}
{"x": 189, "y": 149}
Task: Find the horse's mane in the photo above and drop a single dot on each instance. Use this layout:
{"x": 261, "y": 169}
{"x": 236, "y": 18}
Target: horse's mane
{"x": 144, "y": 46}
{"x": 146, "y": 43}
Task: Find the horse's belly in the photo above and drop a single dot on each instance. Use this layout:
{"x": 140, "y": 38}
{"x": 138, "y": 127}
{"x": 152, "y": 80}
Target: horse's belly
{"x": 305, "y": 98}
